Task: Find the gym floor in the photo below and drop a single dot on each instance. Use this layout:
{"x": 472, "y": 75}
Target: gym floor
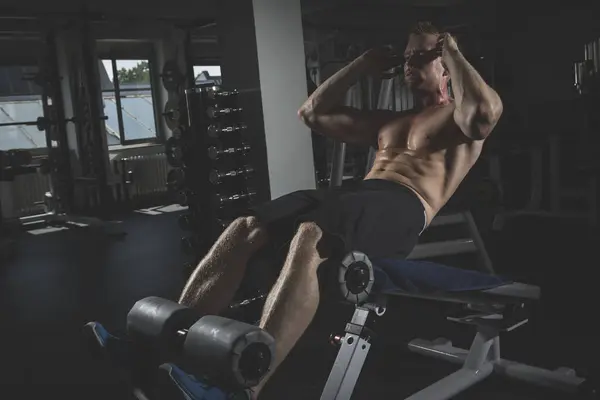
{"x": 60, "y": 280}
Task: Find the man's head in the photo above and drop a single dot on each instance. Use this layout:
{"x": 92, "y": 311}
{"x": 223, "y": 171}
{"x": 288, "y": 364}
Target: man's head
{"x": 423, "y": 67}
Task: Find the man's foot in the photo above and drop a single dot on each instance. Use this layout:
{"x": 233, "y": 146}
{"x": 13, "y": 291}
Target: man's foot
{"x": 138, "y": 375}
{"x": 103, "y": 344}
{"x": 181, "y": 385}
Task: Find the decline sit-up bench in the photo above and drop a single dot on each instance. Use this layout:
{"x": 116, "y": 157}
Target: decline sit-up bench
{"x": 492, "y": 305}
{"x": 242, "y": 352}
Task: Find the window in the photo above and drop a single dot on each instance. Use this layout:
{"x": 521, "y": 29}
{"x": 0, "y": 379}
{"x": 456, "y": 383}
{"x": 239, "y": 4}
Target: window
{"x": 128, "y": 101}
{"x": 207, "y": 74}
{"x": 20, "y": 101}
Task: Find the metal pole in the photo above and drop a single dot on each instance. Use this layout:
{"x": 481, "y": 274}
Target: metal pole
{"x": 338, "y": 159}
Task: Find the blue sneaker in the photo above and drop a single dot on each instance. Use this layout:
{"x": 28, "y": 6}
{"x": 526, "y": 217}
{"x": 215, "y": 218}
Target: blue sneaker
{"x": 120, "y": 355}
{"x": 190, "y": 388}
{"x": 103, "y": 344}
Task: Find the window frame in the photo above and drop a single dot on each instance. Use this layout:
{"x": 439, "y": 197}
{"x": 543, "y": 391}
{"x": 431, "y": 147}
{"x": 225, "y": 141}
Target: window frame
{"x": 117, "y": 91}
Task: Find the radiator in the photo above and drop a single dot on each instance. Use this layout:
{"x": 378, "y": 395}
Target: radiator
{"x": 142, "y": 177}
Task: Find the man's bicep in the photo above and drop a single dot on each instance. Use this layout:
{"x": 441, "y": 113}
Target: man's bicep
{"x": 351, "y": 125}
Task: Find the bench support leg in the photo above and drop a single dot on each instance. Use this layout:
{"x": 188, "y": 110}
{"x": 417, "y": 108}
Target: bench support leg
{"x": 476, "y": 366}
{"x": 351, "y": 357}
{"x": 562, "y": 379}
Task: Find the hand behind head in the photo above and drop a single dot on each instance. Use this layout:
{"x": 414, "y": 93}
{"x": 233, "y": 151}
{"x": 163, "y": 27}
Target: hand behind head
{"x": 383, "y": 58}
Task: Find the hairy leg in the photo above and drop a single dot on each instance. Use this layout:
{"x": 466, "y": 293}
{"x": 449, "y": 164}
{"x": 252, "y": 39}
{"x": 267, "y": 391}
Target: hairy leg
{"x": 293, "y": 301}
{"x": 212, "y": 285}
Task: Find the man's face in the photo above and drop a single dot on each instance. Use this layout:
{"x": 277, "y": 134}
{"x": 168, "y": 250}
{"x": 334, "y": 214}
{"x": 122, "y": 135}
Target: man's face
{"x": 423, "y": 67}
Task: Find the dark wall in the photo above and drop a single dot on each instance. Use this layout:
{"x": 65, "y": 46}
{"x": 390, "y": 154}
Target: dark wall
{"x": 534, "y": 62}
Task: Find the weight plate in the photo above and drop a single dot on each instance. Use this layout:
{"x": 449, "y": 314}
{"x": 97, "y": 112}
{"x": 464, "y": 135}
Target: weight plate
{"x": 178, "y": 132}
{"x": 172, "y": 114}
{"x": 172, "y": 78}
{"x": 182, "y": 198}
{"x": 175, "y": 179}
{"x": 174, "y": 152}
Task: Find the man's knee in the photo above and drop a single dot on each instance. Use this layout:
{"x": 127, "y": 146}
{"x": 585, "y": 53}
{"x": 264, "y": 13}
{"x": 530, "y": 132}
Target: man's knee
{"x": 309, "y": 232}
{"x": 247, "y": 230}
{"x": 309, "y": 240}
{"x": 327, "y": 246}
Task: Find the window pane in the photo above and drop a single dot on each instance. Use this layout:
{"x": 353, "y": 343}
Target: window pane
{"x": 112, "y": 123}
{"x": 20, "y": 101}
{"x": 138, "y": 115}
{"x": 133, "y": 73}
{"x": 207, "y": 74}
{"x": 135, "y": 94}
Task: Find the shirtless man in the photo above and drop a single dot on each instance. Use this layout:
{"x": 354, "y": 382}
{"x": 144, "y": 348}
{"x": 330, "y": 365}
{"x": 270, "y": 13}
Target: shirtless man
{"x": 423, "y": 156}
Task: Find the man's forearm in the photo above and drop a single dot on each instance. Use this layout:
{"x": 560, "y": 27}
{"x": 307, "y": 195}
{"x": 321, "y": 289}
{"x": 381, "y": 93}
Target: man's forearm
{"x": 477, "y": 104}
{"x": 330, "y": 93}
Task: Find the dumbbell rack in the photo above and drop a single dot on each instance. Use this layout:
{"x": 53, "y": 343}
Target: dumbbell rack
{"x": 211, "y": 175}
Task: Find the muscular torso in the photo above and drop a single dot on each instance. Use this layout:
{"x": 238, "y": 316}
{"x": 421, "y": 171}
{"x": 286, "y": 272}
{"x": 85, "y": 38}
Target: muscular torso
{"x": 427, "y": 152}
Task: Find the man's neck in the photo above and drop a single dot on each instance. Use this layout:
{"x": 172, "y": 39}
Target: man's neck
{"x": 424, "y": 99}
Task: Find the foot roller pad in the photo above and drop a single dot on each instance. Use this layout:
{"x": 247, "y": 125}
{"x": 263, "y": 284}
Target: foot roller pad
{"x": 232, "y": 353}
{"x": 156, "y": 323}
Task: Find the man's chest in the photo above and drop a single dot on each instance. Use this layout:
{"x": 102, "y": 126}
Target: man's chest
{"x": 430, "y": 130}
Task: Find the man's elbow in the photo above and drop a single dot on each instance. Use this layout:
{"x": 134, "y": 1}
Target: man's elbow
{"x": 480, "y": 124}
{"x": 308, "y": 117}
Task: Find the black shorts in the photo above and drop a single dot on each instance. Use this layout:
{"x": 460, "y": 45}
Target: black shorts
{"x": 377, "y": 217}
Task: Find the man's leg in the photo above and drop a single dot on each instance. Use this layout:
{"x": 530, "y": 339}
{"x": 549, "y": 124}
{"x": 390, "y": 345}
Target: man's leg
{"x": 293, "y": 301}
{"x": 212, "y": 286}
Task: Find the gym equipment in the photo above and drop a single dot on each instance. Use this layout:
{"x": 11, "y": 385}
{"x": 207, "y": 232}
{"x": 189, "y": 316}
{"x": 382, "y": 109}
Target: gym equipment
{"x": 242, "y": 353}
{"x": 573, "y": 199}
{"x": 171, "y": 76}
{"x": 172, "y": 114}
{"x": 176, "y": 179}
{"x": 14, "y": 158}
{"x": 544, "y": 155}
{"x": 182, "y": 198}
{"x": 205, "y": 155}
{"x": 43, "y": 123}
{"x": 223, "y": 201}
{"x": 221, "y": 352}
{"x": 217, "y": 113}
{"x": 158, "y": 323}
{"x": 216, "y": 94}
{"x": 217, "y": 152}
{"x": 217, "y": 177}
{"x": 174, "y": 152}
{"x": 216, "y": 130}
{"x": 91, "y": 132}
{"x": 492, "y": 305}
{"x": 178, "y": 132}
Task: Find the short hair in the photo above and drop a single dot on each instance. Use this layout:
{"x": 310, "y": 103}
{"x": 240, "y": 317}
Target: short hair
{"x": 424, "y": 28}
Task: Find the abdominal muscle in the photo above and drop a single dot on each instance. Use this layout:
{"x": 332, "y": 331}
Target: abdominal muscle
{"x": 427, "y": 175}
